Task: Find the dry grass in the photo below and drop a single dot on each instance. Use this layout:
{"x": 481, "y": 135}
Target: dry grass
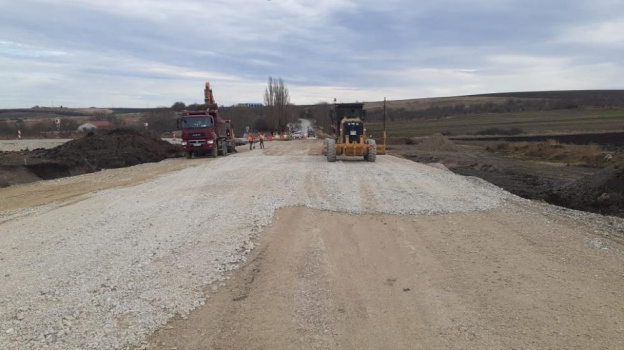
{"x": 419, "y": 104}
{"x": 553, "y": 151}
{"x": 532, "y": 123}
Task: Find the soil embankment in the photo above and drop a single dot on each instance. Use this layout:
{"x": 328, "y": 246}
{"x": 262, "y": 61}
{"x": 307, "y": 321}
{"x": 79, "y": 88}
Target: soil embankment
{"x": 578, "y": 187}
{"x": 608, "y": 139}
{"x": 600, "y": 193}
{"x": 94, "y": 152}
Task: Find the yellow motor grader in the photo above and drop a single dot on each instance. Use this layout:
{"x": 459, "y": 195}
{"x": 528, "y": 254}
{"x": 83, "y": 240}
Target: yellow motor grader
{"x": 347, "y": 120}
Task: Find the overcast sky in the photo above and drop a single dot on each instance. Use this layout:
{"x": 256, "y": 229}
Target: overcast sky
{"x": 138, "y": 53}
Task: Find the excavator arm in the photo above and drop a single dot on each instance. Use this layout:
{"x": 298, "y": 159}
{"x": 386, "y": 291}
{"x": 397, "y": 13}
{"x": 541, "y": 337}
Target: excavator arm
{"x": 209, "y": 98}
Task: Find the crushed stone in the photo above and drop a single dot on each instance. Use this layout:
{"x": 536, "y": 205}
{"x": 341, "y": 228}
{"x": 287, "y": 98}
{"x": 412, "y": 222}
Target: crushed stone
{"x": 104, "y": 272}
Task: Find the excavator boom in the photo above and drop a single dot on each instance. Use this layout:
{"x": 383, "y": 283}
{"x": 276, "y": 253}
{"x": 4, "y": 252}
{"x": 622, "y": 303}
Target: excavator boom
{"x": 209, "y": 98}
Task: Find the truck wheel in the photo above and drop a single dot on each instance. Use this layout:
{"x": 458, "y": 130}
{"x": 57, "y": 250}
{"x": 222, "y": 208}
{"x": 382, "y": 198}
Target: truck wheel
{"x": 371, "y": 155}
{"x": 224, "y": 148}
{"x": 331, "y": 151}
{"x": 325, "y": 147}
{"x": 214, "y": 152}
{"x": 188, "y": 155}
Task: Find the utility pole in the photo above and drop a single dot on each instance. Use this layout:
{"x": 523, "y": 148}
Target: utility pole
{"x": 384, "y": 115}
{"x": 384, "y": 124}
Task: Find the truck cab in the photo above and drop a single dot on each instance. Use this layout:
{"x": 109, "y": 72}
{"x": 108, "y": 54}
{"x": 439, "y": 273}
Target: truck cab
{"x": 205, "y": 133}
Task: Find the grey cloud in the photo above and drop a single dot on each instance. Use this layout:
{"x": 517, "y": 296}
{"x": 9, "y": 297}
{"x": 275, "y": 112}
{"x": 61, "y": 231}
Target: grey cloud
{"x": 162, "y": 49}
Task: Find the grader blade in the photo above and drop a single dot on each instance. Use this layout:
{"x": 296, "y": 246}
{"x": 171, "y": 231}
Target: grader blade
{"x": 381, "y": 149}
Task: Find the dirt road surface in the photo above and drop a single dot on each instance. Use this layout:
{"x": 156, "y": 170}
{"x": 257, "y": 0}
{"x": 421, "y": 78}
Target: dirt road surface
{"x": 278, "y": 249}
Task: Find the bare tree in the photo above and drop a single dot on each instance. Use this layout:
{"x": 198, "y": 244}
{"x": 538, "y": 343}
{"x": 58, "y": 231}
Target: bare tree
{"x": 277, "y": 100}
{"x": 69, "y": 124}
{"x": 178, "y": 106}
{"x": 114, "y": 119}
{"x": 320, "y": 113}
{"x": 160, "y": 119}
{"x": 5, "y": 128}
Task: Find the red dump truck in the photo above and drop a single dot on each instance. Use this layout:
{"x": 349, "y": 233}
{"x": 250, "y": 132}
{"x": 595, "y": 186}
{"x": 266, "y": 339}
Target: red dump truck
{"x": 204, "y": 132}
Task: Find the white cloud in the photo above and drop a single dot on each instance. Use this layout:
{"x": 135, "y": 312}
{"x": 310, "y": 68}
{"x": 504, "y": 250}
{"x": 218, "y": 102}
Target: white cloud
{"x": 516, "y": 62}
{"x": 84, "y": 79}
{"x": 501, "y": 73}
{"x": 237, "y": 19}
{"x": 606, "y": 33}
{"x": 13, "y": 49}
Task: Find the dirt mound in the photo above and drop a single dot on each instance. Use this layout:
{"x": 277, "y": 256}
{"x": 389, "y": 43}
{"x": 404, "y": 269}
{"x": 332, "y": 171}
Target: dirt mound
{"x": 114, "y": 149}
{"x": 435, "y": 143}
{"x": 600, "y": 193}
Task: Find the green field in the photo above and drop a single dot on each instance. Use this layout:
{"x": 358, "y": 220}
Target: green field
{"x": 533, "y": 122}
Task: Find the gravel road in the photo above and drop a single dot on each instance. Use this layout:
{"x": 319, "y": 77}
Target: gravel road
{"x": 104, "y": 268}
{"x": 30, "y": 144}
{"x": 18, "y": 145}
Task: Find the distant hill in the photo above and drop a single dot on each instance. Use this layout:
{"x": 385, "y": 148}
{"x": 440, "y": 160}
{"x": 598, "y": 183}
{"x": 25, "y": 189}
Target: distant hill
{"x": 589, "y": 96}
{"x": 580, "y": 98}
{"x": 47, "y": 112}
{"x": 495, "y": 103}
{"x": 421, "y": 104}
{"x": 595, "y": 98}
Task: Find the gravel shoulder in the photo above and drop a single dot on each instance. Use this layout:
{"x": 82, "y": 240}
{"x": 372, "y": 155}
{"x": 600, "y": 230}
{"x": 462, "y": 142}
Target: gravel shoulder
{"x": 105, "y": 268}
{"x": 69, "y": 189}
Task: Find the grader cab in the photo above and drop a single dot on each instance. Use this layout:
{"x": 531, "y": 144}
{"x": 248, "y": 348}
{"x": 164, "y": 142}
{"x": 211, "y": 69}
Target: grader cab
{"x": 347, "y": 120}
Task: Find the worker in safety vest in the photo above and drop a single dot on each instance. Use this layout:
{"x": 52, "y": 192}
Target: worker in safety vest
{"x": 261, "y": 137}
{"x": 250, "y": 138}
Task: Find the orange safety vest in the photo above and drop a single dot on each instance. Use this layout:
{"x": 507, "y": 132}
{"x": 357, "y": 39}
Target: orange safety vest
{"x": 261, "y": 137}
{"x": 250, "y": 138}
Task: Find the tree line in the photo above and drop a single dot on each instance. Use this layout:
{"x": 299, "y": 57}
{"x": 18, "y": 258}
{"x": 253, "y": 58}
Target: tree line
{"x": 278, "y": 112}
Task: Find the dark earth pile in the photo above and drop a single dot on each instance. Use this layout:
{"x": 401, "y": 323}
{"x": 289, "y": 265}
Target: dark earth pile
{"x": 600, "y": 193}
{"x": 114, "y": 149}
{"x": 436, "y": 143}
{"x": 577, "y": 187}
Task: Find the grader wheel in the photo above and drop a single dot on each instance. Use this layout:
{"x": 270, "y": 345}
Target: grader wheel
{"x": 331, "y": 151}
{"x": 371, "y": 155}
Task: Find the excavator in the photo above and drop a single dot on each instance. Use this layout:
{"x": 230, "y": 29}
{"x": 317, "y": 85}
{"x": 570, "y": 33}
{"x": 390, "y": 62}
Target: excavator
{"x": 347, "y": 121}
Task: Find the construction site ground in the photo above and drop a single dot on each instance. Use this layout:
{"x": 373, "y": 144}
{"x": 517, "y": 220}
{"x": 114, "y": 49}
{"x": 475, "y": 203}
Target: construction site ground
{"x": 279, "y": 249}
{"x": 597, "y": 188}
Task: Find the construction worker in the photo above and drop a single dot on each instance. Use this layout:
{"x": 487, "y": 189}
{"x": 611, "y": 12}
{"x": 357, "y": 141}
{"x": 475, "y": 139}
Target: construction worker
{"x": 250, "y": 138}
{"x": 261, "y": 137}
